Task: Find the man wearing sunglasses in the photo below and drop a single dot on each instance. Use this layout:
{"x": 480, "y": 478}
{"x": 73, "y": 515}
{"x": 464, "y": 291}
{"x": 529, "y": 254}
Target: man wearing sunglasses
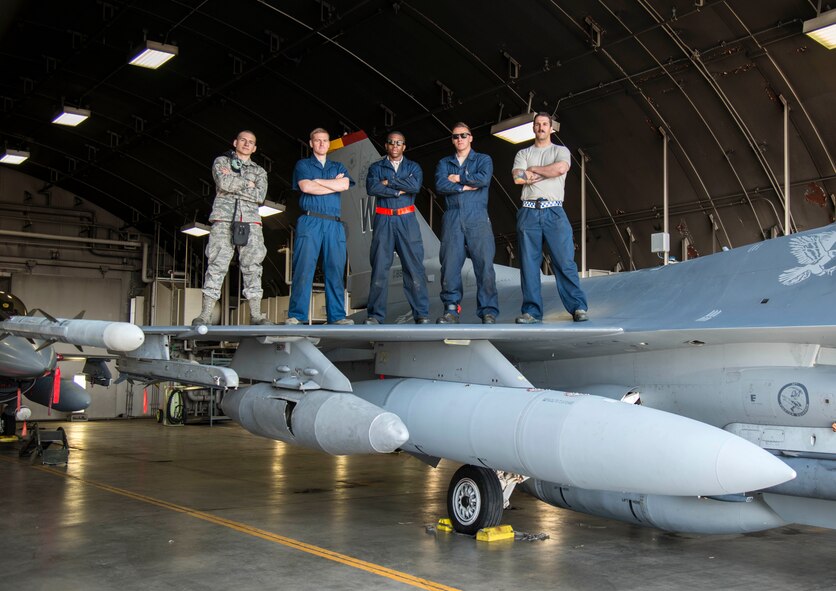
{"x": 541, "y": 170}
{"x": 241, "y": 187}
{"x": 463, "y": 179}
{"x": 319, "y": 230}
{"x": 394, "y": 182}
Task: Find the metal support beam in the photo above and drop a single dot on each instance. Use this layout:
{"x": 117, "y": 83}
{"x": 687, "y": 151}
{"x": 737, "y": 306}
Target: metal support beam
{"x": 787, "y": 227}
{"x": 584, "y": 160}
{"x": 665, "y": 205}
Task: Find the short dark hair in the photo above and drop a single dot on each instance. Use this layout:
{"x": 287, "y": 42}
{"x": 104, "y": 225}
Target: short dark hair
{"x": 462, "y": 124}
{"x": 396, "y": 132}
{"x": 245, "y": 131}
{"x": 543, "y": 114}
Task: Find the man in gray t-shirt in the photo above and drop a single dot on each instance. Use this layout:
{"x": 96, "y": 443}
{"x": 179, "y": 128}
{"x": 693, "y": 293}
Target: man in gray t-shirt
{"x": 541, "y": 170}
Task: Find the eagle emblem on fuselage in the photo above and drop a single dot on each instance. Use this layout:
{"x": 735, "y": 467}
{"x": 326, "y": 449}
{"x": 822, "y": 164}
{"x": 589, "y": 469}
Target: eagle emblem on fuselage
{"x": 816, "y": 255}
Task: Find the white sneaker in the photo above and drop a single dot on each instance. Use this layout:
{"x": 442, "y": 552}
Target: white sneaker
{"x": 343, "y": 321}
{"x": 580, "y": 316}
{"x": 292, "y": 320}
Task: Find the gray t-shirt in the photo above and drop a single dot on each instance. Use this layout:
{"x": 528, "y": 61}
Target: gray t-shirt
{"x": 550, "y": 189}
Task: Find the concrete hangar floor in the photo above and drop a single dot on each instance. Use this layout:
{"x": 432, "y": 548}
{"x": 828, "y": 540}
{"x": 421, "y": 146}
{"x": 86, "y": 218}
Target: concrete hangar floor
{"x": 143, "y": 506}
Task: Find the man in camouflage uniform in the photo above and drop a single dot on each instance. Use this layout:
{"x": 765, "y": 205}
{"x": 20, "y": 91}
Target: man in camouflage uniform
{"x": 241, "y": 187}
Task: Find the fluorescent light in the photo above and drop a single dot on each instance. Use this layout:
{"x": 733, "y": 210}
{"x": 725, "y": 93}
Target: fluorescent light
{"x": 822, "y": 28}
{"x": 518, "y": 129}
{"x": 14, "y": 156}
{"x": 269, "y": 208}
{"x": 71, "y": 116}
{"x": 195, "y": 229}
{"x": 153, "y": 55}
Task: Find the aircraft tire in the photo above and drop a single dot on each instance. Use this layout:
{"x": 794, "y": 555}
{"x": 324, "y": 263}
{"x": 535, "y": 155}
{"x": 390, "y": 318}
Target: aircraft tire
{"x": 474, "y": 499}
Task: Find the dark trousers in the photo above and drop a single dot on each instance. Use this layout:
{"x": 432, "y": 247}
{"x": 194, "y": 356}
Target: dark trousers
{"x": 536, "y": 227}
{"x": 315, "y": 235}
{"x": 397, "y": 234}
{"x": 466, "y": 233}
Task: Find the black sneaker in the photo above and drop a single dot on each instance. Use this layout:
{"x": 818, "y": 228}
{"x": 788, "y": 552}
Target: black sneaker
{"x": 422, "y": 320}
{"x": 448, "y": 318}
{"x": 488, "y": 319}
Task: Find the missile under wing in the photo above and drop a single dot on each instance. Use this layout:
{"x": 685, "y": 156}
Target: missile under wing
{"x": 28, "y": 362}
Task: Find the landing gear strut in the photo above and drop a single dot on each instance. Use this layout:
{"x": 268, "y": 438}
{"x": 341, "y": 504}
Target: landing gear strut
{"x": 474, "y": 499}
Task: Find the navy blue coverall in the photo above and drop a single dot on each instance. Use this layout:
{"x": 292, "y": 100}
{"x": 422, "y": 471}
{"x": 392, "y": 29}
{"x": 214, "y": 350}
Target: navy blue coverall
{"x": 315, "y": 234}
{"x": 395, "y": 232}
{"x": 466, "y": 231}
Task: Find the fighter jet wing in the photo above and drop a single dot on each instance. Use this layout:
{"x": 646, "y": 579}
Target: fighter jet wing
{"x": 362, "y": 336}
{"x": 393, "y": 332}
{"x": 526, "y": 343}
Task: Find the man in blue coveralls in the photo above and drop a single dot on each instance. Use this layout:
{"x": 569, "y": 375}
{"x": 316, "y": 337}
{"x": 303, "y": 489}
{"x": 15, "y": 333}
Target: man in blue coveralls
{"x": 464, "y": 179}
{"x": 541, "y": 170}
{"x": 319, "y": 229}
{"x": 394, "y": 181}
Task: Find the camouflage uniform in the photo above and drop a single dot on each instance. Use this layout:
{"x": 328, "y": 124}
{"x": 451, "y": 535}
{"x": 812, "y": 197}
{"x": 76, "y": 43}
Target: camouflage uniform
{"x": 220, "y": 249}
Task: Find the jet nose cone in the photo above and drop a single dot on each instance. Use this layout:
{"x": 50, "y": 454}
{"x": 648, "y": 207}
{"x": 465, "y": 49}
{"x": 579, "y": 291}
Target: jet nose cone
{"x": 387, "y": 433}
{"x": 30, "y": 367}
{"x": 742, "y": 466}
{"x": 18, "y": 359}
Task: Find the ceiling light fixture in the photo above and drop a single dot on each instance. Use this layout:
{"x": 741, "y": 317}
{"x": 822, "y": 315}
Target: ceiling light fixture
{"x": 152, "y": 55}
{"x": 822, "y": 28}
{"x": 14, "y": 156}
{"x": 269, "y": 208}
{"x": 195, "y": 229}
{"x": 71, "y": 116}
{"x": 518, "y": 129}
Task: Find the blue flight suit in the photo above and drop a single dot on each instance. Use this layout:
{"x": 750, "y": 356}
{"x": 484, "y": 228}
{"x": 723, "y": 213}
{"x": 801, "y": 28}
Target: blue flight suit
{"x": 396, "y": 233}
{"x": 466, "y": 230}
{"x": 315, "y": 235}
{"x": 550, "y": 226}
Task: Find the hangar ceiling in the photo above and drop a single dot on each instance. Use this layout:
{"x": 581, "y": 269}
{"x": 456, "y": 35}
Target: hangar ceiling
{"x": 711, "y": 76}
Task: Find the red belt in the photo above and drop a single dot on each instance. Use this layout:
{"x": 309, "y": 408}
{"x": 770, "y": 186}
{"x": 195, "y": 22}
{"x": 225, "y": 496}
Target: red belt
{"x": 401, "y": 211}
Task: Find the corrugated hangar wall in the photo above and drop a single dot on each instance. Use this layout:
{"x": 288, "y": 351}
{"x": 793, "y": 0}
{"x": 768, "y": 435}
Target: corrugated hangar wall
{"x": 46, "y": 262}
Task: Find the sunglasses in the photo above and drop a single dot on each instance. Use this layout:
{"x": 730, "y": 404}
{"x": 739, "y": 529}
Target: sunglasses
{"x": 460, "y": 136}
{"x": 395, "y": 142}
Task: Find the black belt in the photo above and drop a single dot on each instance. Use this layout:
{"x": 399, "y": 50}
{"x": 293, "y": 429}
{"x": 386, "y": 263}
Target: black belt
{"x": 324, "y": 216}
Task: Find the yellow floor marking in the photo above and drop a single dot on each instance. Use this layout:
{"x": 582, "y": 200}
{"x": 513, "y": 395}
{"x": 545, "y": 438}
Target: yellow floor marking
{"x": 260, "y": 533}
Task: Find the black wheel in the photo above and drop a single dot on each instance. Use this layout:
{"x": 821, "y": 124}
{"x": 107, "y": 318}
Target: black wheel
{"x": 474, "y": 499}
